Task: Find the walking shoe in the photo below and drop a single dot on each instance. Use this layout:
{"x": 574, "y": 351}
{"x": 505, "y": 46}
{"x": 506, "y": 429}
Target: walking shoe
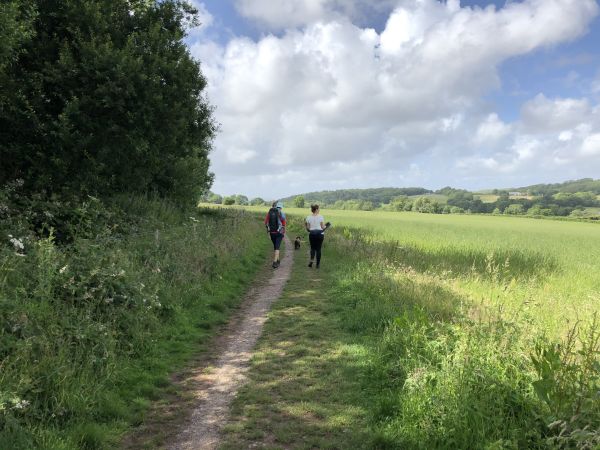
{"x": 278, "y": 263}
{"x": 318, "y": 266}
{"x": 274, "y": 265}
{"x": 310, "y": 264}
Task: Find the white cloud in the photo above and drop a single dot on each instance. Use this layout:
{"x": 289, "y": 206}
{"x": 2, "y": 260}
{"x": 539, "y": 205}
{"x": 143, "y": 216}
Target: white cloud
{"x": 537, "y": 150}
{"x": 565, "y": 136}
{"x": 491, "y": 130}
{"x": 591, "y": 145}
{"x": 344, "y": 103}
{"x": 542, "y": 113}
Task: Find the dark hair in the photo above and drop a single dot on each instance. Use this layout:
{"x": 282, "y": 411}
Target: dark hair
{"x": 314, "y": 207}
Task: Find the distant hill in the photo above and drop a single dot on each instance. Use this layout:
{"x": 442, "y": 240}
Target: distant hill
{"x": 376, "y": 195}
{"x": 379, "y": 196}
{"x": 572, "y": 186}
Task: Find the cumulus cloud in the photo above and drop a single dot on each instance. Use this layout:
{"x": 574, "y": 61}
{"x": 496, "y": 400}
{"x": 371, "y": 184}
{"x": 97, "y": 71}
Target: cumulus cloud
{"x": 491, "y": 130}
{"x": 591, "y": 145}
{"x": 543, "y": 114}
{"x": 348, "y": 105}
{"x": 544, "y": 150}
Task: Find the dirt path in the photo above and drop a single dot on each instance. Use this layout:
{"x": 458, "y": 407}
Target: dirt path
{"x": 215, "y": 387}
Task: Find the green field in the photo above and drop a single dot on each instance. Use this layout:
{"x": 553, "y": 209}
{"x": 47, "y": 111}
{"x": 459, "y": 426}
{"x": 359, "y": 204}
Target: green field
{"x": 549, "y": 268}
{"x": 443, "y": 199}
{"x": 427, "y": 331}
{"x": 487, "y": 198}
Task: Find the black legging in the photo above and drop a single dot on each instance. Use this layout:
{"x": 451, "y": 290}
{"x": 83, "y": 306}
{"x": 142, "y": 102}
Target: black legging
{"x": 316, "y": 241}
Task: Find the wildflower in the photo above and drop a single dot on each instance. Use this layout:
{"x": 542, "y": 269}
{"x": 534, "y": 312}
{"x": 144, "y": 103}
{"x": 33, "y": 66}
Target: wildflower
{"x": 21, "y": 404}
{"x": 17, "y": 243}
{"x": 63, "y": 269}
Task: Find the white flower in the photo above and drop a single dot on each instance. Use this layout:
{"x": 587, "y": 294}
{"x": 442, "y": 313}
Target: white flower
{"x": 63, "y": 269}
{"x": 17, "y": 243}
{"x": 22, "y": 404}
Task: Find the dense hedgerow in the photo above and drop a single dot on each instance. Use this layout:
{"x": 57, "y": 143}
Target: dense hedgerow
{"x": 100, "y": 302}
{"x": 102, "y": 97}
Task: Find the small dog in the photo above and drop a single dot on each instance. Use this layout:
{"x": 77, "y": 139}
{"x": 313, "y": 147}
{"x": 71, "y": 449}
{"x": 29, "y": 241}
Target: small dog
{"x": 297, "y": 242}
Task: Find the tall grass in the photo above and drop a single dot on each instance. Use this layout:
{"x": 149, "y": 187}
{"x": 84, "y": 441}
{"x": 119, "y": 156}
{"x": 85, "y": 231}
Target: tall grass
{"x": 551, "y": 267}
{"x": 91, "y": 329}
{"x": 445, "y": 372}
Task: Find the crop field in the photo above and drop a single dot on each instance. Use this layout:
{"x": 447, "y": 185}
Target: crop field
{"x": 487, "y": 198}
{"x": 442, "y": 331}
{"x": 546, "y": 269}
{"x": 443, "y": 199}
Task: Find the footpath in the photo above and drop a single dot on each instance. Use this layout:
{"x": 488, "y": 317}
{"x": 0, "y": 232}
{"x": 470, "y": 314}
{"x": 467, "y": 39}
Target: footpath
{"x": 305, "y": 386}
{"x": 215, "y": 387}
{"x": 285, "y": 374}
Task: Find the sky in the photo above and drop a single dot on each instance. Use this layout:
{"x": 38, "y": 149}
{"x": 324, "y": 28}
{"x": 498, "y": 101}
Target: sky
{"x": 333, "y": 94}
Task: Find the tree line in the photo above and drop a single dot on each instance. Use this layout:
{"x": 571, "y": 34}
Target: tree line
{"x": 561, "y": 199}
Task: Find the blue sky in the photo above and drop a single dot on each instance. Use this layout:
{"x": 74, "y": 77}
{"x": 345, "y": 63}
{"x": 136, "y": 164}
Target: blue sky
{"x": 329, "y": 94}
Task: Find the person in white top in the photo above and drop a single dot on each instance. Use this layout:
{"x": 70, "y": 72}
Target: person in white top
{"x": 315, "y": 224}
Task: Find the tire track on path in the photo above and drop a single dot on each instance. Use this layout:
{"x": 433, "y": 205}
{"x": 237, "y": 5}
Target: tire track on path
{"x": 217, "y": 387}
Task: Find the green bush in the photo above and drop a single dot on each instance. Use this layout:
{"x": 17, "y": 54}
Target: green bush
{"x": 100, "y": 97}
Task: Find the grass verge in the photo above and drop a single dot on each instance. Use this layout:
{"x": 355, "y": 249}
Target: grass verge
{"x": 91, "y": 330}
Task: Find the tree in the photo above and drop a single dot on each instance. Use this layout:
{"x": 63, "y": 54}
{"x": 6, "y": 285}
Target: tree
{"x": 299, "y": 201}
{"x": 426, "y": 205}
{"x": 399, "y": 203}
{"x": 241, "y": 200}
{"x": 228, "y": 201}
{"x": 257, "y": 201}
{"x": 514, "y": 209}
{"x": 366, "y": 205}
{"x": 103, "y": 96}
{"x": 214, "y": 198}
{"x": 16, "y": 28}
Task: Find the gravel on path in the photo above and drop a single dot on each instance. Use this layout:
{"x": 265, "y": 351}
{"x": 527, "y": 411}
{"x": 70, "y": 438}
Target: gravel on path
{"x": 215, "y": 387}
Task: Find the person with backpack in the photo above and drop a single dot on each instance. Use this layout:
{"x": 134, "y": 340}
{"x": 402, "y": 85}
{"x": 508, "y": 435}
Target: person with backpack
{"x": 275, "y": 223}
{"x": 315, "y": 225}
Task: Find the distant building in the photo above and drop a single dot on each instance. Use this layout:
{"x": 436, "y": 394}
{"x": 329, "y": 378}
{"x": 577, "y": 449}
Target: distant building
{"x": 516, "y": 194}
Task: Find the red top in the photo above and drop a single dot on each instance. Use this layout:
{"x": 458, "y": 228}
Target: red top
{"x": 283, "y": 222}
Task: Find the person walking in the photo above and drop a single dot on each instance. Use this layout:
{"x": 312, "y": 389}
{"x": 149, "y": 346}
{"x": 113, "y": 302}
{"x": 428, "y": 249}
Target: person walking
{"x": 275, "y": 223}
{"x": 315, "y": 225}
